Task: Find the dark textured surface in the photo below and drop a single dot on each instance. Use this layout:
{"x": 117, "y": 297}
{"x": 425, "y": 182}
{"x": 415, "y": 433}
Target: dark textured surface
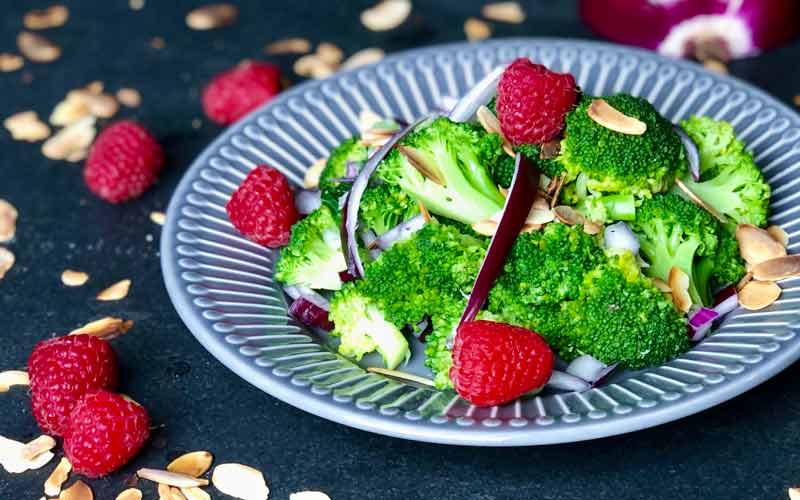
{"x": 744, "y": 449}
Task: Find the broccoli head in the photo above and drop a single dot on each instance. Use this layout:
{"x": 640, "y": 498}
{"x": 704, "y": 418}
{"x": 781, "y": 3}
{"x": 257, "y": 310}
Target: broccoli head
{"x": 551, "y": 167}
{"x": 726, "y": 265}
{"x": 384, "y": 206}
{"x": 313, "y": 257}
{"x": 331, "y": 188}
{"x": 674, "y": 232}
{"x": 730, "y": 181}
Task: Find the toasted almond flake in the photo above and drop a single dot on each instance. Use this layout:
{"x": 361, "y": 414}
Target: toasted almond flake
{"x": 71, "y": 277}
{"x": 130, "y": 494}
{"x": 489, "y": 121}
{"x": 176, "y": 479}
{"x": 176, "y": 494}
{"x": 311, "y": 65}
{"x": 129, "y": 97}
{"x": 363, "y": 57}
{"x": 401, "y": 376}
{"x": 529, "y": 228}
{"x": 51, "y": 17}
{"x": 796, "y": 100}
{"x": 716, "y": 66}
{"x": 504, "y": 12}
{"x": 662, "y": 285}
{"x": 157, "y": 43}
{"x": 744, "y": 281}
{"x": 540, "y": 203}
{"x": 568, "y": 215}
{"x": 476, "y": 30}
{"x": 8, "y": 221}
{"x": 779, "y": 235}
{"x": 679, "y": 284}
{"x": 294, "y": 45}
{"x": 757, "y": 245}
{"x": 164, "y": 492}
{"x": 212, "y": 16}
{"x": 80, "y": 103}
{"x": 240, "y": 481}
{"x": 195, "y": 494}
{"x": 12, "y": 461}
{"x": 10, "y": 62}
{"x": 7, "y": 260}
{"x": 592, "y": 227}
{"x": 759, "y": 294}
{"x": 699, "y": 201}
{"x": 311, "y": 177}
{"x": 95, "y": 87}
{"x": 36, "y": 447}
{"x": 485, "y": 227}
{"x": 52, "y": 486}
{"x": 37, "y": 48}
{"x": 78, "y": 491}
{"x": 71, "y": 140}
{"x": 330, "y": 53}
{"x": 794, "y": 493}
{"x": 26, "y": 126}
{"x": 386, "y": 15}
{"x": 158, "y": 218}
{"x": 423, "y": 210}
{"x": 421, "y": 164}
{"x": 779, "y": 268}
{"x": 560, "y": 180}
{"x": 105, "y": 328}
{"x": 10, "y": 378}
{"x": 194, "y": 464}
{"x": 538, "y": 216}
{"x": 309, "y": 495}
{"x": 136, "y": 4}
{"x": 117, "y": 291}
{"x": 607, "y": 116}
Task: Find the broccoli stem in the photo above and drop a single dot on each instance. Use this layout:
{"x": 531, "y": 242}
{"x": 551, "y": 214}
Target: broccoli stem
{"x": 620, "y": 206}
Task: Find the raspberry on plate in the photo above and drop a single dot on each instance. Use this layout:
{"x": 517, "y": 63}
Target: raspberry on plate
{"x": 105, "y": 431}
{"x": 233, "y": 93}
{"x": 262, "y": 208}
{"x": 532, "y": 102}
{"x": 123, "y": 163}
{"x": 494, "y": 363}
{"x": 61, "y": 371}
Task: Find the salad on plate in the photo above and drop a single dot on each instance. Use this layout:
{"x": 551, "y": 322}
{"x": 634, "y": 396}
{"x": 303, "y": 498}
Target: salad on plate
{"x": 546, "y": 241}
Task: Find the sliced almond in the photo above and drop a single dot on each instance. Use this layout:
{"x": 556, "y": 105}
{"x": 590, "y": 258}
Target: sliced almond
{"x": 157, "y": 43}
{"x": 136, "y": 4}
{"x": 194, "y": 464}
{"x": 794, "y": 493}
{"x": 756, "y": 245}
{"x": 476, "y": 29}
{"x": 560, "y": 180}
{"x": 363, "y": 57}
{"x": 129, "y": 97}
{"x": 105, "y": 328}
{"x": 311, "y": 177}
{"x": 568, "y": 215}
{"x": 176, "y": 479}
{"x": 779, "y": 235}
{"x": 164, "y": 492}
{"x": 10, "y": 378}
{"x": 71, "y": 140}
{"x": 485, "y": 227}
{"x": 36, "y": 447}
{"x": 367, "y": 119}
{"x": 419, "y": 162}
{"x": 56, "y": 479}
{"x": 51, "y": 17}
{"x": 662, "y": 285}
{"x": 158, "y": 218}
{"x": 539, "y": 216}
{"x": 195, "y": 494}
{"x": 309, "y": 495}
{"x": 679, "y": 284}
{"x": 10, "y": 62}
{"x": 504, "y": 12}
{"x": 37, "y": 48}
{"x": 71, "y": 277}
{"x": 176, "y": 494}
{"x": 78, "y": 491}
{"x": 26, "y": 126}
{"x": 386, "y": 15}
{"x": 130, "y": 494}
{"x": 759, "y": 294}
{"x": 240, "y": 481}
{"x": 423, "y": 210}
{"x": 489, "y": 122}
{"x": 117, "y": 291}
{"x": 289, "y": 46}
{"x": 592, "y": 227}
{"x": 716, "y": 66}
{"x": 94, "y": 87}
{"x": 605, "y": 115}
{"x": 540, "y": 203}
{"x": 212, "y": 16}
{"x": 745, "y": 280}
{"x": 12, "y": 460}
{"x": 699, "y": 201}
{"x": 776, "y": 269}
{"x": 529, "y": 228}
{"x": 330, "y": 53}
{"x": 8, "y": 221}
{"x": 311, "y": 65}
{"x": 80, "y": 103}
{"x": 7, "y": 260}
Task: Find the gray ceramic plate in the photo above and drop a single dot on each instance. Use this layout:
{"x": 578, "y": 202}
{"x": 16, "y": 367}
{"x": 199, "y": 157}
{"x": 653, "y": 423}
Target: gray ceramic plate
{"x": 222, "y": 285}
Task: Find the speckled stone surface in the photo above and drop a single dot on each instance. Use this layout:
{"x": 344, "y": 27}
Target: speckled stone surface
{"x": 744, "y": 449}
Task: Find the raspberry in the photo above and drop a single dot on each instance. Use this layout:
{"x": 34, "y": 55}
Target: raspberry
{"x": 532, "y": 102}
{"x": 123, "y": 163}
{"x": 63, "y": 369}
{"x": 105, "y": 431}
{"x": 494, "y": 363}
{"x": 262, "y": 208}
{"x": 233, "y": 93}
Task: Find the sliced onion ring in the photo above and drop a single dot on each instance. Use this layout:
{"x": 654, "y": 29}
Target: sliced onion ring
{"x": 309, "y": 307}
{"x": 307, "y": 200}
{"x": 619, "y": 236}
{"x": 563, "y": 381}
{"x": 692, "y": 154}
{"x": 703, "y": 319}
{"x": 400, "y": 232}
{"x": 586, "y": 367}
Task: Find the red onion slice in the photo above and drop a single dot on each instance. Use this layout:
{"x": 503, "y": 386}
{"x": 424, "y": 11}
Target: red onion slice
{"x": 703, "y": 319}
{"x": 692, "y": 153}
{"x": 562, "y": 381}
{"x": 400, "y": 232}
{"x": 586, "y": 367}
{"x": 351, "y": 169}
{"x": 619, "y": 236}
{"x": 307, "y": 201}
{"x": 309, "y": 307}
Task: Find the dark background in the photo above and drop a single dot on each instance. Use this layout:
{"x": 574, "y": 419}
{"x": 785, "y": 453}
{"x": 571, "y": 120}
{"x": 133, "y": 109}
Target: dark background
{"x": 743, "y": 449}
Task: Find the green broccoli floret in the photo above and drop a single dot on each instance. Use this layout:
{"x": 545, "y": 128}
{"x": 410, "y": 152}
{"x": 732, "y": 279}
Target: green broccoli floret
{"x": 336, "y": 168}
{"x": 450, "y": 174}
{"x": 313, "y": 257}
{"x": 362, "y": 328}
{"x": 730, "y": 181}
{"x": 550, "y": 167}
{"x": 726, "y": 264}
{"x": 621, "y": 317}
{"x": 674, "y": 232}
{"x": 492, "y": 105}
{"x": 384, "y": 206}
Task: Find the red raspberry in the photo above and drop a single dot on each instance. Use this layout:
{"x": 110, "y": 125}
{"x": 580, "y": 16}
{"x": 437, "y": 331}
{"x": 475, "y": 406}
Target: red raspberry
{"x": 532, "y": 102}
{"x": 63, "y": 369}
{"x": 262, "y": 208}
{"x": 105, "y": 431}
{"x": 123, "y": 163}
{"x": 494, "y": 363}
{"x": 233, "y": 93}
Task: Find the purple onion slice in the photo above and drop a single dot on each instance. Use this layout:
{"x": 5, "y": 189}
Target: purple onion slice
{"x": 563, "y": 381}
{"x": 692, "y": 154}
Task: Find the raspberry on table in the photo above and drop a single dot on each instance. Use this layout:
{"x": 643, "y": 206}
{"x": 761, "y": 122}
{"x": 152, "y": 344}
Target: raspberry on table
{"x": 61, "y": 371}
{"x": 233, "y": 93}
{"x": 262, "y": 208}
{"x": 124, "y": 162}
{"x": 532, "y": 102}
{"x": 494, "y": 363}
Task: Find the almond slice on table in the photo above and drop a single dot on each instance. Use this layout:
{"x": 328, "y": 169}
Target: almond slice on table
{"x": 363, "y": 57}
{"x": 129, "y": 97}
{"x": 504, "y": 12}
{"x": 10, "y": 62}
{"x": 212, "y": 16}
{"x": 57, "y": 478}
{"x": 311, "y": 65}
{"x": 117, "y": 291}
{"x": 195, "y": 494}
{"x": 8, "y": 221}
{"x": 71, "y": 277}
{"x": 195, "y": 463}
{"x": 72, "y": 141}
{"x": 36, "y": 447}
{"x": 609, "y": 117}
{"x": 312, "y": 175}
{"x": 12, "y": 460}
{"x": 476, "y": 29}
{"x": 10, "y": 378}
{"x": 168, "y": 478}
{"x": 759, "y": 294}
{"x": 778, "y": 268}
{"x": 7, "y": 260}
{"x": 330, "y": 53}
{"x": 105, "y": 328}
{"x": 679, "y": 284}
{"x": 51, "y": 17}
{"x": 309, "y": 495}
{"x": 294, "y": 45}
{"x": 158, "y": 218}
{"x": 240, "y": 481}
{"x": 130, "y": 494}
{"x": 386, "y": 15}
{"x": 757, "y": 245}
{"x": 26, "y": 126}
{"x": 78, "y": 491}
{"x": 779, "y": 235}
{"x": 794, "y": 493}
{"x": 37, "y": 48}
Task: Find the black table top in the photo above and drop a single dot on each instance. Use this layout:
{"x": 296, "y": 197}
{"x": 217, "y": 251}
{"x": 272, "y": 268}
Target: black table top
{"x": 745, "y": 448}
